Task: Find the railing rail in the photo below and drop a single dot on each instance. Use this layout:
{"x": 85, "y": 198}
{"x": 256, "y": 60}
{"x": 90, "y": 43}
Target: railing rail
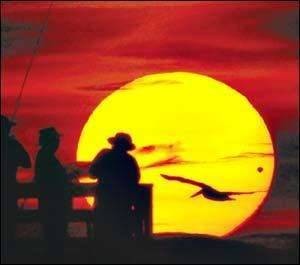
{"x": 29, "y": 190}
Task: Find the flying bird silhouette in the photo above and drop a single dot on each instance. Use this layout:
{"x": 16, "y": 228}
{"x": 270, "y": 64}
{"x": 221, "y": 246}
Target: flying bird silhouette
{"x": 207, "y": 191}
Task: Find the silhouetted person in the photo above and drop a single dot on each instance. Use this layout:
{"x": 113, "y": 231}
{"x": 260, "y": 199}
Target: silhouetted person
{"x": 118, "y": 176}
{"x": 54, "y": 201}
{"x": 13, "y": 156}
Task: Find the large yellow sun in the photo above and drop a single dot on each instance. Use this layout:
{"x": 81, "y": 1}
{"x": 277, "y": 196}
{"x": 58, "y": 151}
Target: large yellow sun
{"x": 193, "y": 126}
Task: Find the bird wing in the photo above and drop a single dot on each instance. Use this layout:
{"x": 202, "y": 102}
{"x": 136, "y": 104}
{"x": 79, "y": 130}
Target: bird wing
{"x": 184, "y": 180}
{"x": 242, "y": 193}
{"x": 196, "y": 194}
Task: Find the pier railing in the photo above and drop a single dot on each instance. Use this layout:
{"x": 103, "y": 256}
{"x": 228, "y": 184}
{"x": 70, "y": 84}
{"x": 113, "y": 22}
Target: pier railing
{"x": 30, "y": 191}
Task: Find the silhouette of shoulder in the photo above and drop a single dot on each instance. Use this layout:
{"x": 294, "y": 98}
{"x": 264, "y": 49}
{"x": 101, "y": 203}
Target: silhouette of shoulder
{"x": 47, "y": 165}
{"x": 19, "y": 153}
{"x": 130, "y": 157}
{"x": 98, "y": 160}
{"x": 102, "y": 153}
{"x": 134, "y": 170}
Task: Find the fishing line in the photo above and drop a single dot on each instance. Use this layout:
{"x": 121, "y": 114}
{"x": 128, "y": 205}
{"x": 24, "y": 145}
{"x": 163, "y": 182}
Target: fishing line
{"x": 18, "y": 100}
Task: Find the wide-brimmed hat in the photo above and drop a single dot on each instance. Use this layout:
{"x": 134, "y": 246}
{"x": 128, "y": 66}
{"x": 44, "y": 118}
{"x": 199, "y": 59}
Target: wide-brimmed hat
{"x": 6, "y": 122}
{"x": 49, "y": 133}
{"x": 122, "y": 140}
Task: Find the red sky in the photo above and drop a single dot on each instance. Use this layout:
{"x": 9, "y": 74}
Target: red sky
{"x": 90, "y": 49}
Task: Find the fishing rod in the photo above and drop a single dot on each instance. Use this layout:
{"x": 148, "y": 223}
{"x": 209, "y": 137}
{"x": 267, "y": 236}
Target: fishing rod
{"x": 18, "y": 100}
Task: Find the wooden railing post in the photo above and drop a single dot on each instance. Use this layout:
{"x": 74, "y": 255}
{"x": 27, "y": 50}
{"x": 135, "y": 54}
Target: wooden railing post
{"x": 29, "y": 190}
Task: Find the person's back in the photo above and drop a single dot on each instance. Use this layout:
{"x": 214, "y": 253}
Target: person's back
{"x": 115, "y": 167}
{"x": 13, "y": 156}
{"x": 10, "y": 155}
{"x": 50, "y": 175}
{"x": 118, "y": 175}
{"x": 52, "y": 181}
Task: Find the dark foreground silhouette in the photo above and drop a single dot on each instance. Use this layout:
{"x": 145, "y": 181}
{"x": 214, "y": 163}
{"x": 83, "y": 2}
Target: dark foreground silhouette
{"x": 116, "y": 170}
{"x": 182, "y": 249}
{"x": 207, "y": 191}
{"x": 53, "y": 184}
{"x": 13, "y": 156}
{"x": 117, "y": 240}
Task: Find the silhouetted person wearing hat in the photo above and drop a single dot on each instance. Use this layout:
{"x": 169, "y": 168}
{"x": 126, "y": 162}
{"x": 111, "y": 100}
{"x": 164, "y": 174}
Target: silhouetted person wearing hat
{"x": 53, "y": 183}
{"x": 115, "y": 165}
{"x": 13, "y": 156}
{"x": 118, "y": 176}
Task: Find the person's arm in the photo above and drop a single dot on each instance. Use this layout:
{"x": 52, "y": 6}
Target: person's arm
{"x": 93, "y": 169}
{"x": 58, "y": 168}
{"x": 22, "y": 156}
{"x": 37, "y": 170}
{"x": 135, "y": 170}
{"x": 95, "y": 166}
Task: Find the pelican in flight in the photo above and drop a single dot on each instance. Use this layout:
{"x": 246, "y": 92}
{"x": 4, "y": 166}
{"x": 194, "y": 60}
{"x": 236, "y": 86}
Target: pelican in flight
{"x": 207, "y": 191}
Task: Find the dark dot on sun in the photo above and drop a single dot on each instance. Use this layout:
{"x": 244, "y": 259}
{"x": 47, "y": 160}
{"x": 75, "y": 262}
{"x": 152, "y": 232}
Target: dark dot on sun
{"x": 260, "y": 169}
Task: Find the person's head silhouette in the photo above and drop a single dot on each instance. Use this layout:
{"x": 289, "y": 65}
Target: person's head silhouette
{"x": 122, "y": 141}
{"x": 6, "y": 125}
{"x": 49, "y": 138}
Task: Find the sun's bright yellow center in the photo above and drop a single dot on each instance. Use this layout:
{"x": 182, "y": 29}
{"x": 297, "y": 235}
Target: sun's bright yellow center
{"x": 188, "y": 125}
